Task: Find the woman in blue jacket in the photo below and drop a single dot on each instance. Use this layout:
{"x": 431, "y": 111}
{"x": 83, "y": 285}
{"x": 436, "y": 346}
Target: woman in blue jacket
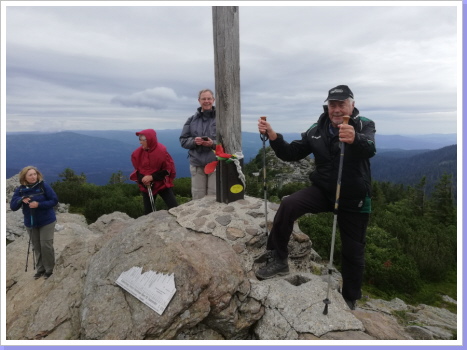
{"x": 37, "y": 199}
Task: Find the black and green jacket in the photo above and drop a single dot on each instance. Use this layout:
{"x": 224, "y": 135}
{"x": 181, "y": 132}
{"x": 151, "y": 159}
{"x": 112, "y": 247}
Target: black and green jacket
{"x": 355, "y": 193}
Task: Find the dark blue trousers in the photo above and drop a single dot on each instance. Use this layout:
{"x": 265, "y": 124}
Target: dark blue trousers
{"x": 352, "y": 227}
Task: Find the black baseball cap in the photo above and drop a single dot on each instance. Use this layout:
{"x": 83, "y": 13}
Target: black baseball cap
{"x": 339, "y": 93}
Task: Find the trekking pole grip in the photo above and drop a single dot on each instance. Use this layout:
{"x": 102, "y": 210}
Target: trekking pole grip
{"x": 264, "y": 137}
{"x": 346, "y": 119}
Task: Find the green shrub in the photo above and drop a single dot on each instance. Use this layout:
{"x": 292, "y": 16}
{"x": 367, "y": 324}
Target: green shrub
{"x": 386, "y": 266}
{"x": 290, "y": 188}
{"x": 77, "y": 194}
{"x": 182, "y": 187}
{"x": 319, "y": 228}
{"x": 97, "y": 207}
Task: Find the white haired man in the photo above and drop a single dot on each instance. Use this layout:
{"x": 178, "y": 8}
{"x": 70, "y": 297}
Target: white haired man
{"x": 323, "y": 140}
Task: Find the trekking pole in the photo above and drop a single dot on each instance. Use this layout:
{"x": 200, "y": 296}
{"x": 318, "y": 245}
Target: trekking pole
{"x": 32, "y": 227}
{"x": 336, "y": 207}
{"x": 151, "y": 197}
{"x": 264, "y": 137}
{"x": 27, "y": 255}
{"x": 29, "y": 246}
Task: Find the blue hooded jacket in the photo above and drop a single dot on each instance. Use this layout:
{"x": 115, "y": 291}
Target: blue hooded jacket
{"x": 42, "y": 193}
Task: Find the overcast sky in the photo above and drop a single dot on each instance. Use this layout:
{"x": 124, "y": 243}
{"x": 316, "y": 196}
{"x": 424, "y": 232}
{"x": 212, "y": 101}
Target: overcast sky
{"x": 138, "y": 67}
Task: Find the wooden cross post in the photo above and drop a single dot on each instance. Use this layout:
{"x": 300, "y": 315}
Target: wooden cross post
{"x": 228, "y": 118}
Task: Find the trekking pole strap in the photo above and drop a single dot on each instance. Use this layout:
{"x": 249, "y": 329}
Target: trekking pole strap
{"x": 264, "y": 137}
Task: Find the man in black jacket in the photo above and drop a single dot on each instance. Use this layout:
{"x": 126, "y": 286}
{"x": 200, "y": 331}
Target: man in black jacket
{"x": 323, "y": 139}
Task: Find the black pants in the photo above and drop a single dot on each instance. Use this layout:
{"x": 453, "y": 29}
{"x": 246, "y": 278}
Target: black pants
{"x": 352, "y": 227}
{"x": 166, "y": 194}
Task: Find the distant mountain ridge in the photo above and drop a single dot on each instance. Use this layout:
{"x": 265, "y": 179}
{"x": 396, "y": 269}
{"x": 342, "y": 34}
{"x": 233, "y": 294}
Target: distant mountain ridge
{"x": 414, "y": 142}
{"x": 52, "y": 153}
{"x": 401, "y": 142}
{"x": 392, "y": 167}
{"x": 98, "y": 154}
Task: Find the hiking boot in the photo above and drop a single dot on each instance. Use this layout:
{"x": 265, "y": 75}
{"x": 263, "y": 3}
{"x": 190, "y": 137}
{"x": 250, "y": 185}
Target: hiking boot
{"x": 276, "y": 267}
{"x": 39, "y": 274}
{"x": 47, "y": 275}
{"x": 265, "y": 256}
{"x": 352, "y": 304}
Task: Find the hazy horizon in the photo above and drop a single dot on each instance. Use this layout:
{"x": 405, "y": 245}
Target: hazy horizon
{"x": 134, "y": 130}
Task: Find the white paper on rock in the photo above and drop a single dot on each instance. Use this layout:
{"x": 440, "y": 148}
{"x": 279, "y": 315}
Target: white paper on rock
{"x": 152, "y": 288}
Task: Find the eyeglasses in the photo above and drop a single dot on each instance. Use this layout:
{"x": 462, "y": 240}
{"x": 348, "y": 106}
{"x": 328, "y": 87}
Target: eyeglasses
{"x": 142, "y": 139}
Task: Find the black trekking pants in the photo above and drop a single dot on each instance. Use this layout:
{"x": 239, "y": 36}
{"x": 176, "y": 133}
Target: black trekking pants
{"x": 352, "y": 227}
{"x": 166, "y": 194}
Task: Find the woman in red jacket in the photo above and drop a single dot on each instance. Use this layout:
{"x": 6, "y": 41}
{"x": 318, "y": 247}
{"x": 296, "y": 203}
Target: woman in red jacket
{"x": 154, "y": 169}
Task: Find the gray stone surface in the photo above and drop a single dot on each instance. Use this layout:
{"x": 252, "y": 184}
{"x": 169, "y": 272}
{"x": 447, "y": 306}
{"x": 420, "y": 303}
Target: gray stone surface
{"x": 297, "y": 301}
{"x": 381, "y": 325}
{"x": 386, "y": 306}
{"x": 439, "y": 317}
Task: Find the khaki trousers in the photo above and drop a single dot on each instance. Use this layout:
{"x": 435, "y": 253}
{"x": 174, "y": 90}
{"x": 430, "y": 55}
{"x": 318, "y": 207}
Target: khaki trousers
{"x": 202, "y": 184}
{"x": 42, "y": 239}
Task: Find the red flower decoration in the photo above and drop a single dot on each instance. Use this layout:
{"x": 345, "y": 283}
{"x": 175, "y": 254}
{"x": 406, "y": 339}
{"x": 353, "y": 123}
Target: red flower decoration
{"x": 210, "y": 167}
{"x": 220, "y": 152}
{"x": 221, "y": 155}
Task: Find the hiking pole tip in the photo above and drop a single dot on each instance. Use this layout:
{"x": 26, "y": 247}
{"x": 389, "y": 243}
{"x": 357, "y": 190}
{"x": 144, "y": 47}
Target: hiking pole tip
{"x": 326, "y": 305}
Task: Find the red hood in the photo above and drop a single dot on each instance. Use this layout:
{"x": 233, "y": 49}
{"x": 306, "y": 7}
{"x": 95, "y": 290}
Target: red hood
{"x": 151, "y": 136}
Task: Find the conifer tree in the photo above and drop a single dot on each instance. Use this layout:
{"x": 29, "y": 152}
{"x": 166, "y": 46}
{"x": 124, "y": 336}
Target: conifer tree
{"x": 69, "y": 175}
{"x": 442, "y": 201}
{"x": 117, "y": 178}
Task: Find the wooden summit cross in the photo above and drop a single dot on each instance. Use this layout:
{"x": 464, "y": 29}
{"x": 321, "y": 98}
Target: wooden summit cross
{"x": 229, "y": 187}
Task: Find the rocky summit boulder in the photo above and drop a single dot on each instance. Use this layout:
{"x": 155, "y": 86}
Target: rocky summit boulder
{"x": 210, "y": 249}
{"x": 210, "y": 282}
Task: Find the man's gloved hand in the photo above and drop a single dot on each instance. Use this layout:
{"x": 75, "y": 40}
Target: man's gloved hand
{"x": 160, "y": 175}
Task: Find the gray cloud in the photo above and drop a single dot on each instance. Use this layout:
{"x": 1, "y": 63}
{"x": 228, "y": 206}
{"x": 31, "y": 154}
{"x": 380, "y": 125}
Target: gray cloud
{"x": 155, "y": 98}
{"x": 101, "y": 67}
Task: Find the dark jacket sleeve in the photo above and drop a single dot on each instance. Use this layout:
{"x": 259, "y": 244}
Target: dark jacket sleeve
{"x": 16, "y": 200}
{"x": 364, "y": 144}
{"x": 140, "y": 177}
{"x": 186, "y": 139}
{"x": 159, "y": 175}
{"x": 291, "y": 152}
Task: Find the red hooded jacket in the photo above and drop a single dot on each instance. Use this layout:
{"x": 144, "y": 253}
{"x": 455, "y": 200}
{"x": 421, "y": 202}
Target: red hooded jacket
{"x": 151, "y": 160}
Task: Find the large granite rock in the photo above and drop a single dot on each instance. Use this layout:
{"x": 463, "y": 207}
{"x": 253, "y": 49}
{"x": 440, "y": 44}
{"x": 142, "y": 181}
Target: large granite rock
{"x": 211, "y": 284}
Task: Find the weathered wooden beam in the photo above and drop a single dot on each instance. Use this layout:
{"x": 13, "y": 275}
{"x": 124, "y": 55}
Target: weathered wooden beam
{"x": 227, "y": 77}
{"x": 227, "y": 82}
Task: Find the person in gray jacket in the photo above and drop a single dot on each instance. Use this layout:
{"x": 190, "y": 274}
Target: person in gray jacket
{"x": 199, "y": 137}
